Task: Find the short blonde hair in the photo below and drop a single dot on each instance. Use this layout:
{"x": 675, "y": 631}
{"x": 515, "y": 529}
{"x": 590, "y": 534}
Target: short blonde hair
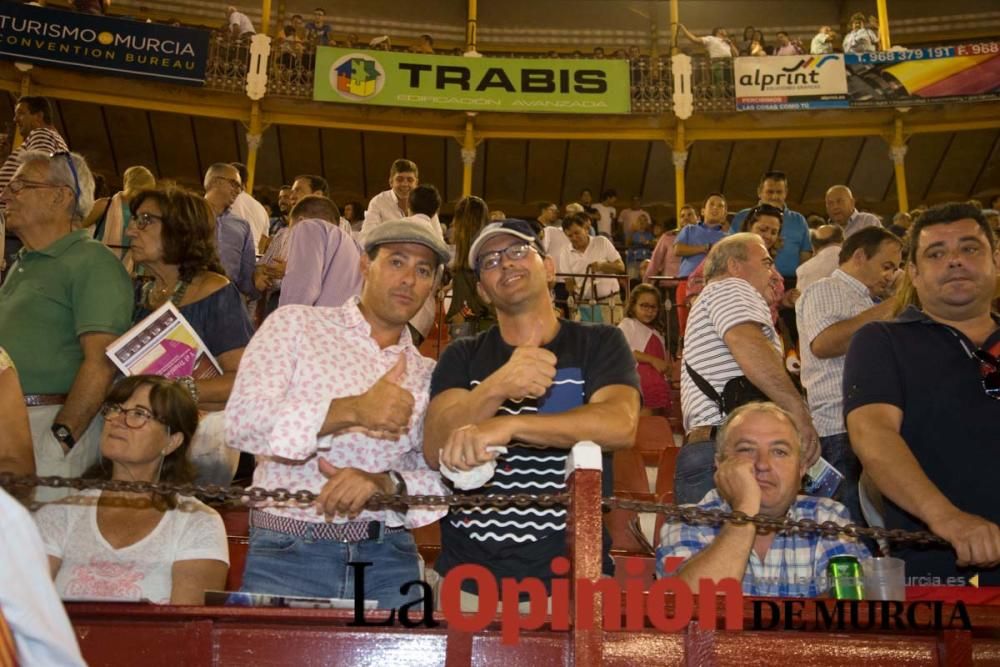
{"x": 138, "y": 178}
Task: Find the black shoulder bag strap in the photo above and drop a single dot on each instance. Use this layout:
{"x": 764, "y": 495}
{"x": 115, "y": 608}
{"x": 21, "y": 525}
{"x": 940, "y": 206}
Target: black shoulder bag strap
{"x": 705, "y": 386}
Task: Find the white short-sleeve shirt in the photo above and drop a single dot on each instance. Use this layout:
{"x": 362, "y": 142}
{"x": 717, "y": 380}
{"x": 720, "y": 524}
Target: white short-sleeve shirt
{"x": 717, "y": 47}
{"x": 93, "y": 569}
{"x": 600, "y": 249}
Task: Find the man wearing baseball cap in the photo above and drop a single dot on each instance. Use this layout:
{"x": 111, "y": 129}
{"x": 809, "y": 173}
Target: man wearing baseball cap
{"x": 333, "y": 400}
{"x": 535, "y": 385}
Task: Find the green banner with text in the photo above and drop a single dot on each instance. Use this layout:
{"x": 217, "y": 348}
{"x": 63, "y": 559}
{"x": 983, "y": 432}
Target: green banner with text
{"x": 520, "y": 85}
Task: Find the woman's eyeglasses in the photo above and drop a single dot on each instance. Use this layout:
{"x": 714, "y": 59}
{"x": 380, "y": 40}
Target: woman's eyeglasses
{"x": 143, "y": 220}
{"x": 135, "y": 418}
{"x": 989, "y": 373}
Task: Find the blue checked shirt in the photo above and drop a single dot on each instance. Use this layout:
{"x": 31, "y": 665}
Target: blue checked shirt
{"x": 794, "y": 565}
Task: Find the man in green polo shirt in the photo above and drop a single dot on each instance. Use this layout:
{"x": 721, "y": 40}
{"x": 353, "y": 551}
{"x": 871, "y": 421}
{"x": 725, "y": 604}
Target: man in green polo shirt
{"x": 65, "y": 299}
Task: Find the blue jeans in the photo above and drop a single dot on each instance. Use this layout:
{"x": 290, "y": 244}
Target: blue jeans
{"x": 282, "y": 564}
{"x": 836, "y": 449}
{"x": 694, "y": 475}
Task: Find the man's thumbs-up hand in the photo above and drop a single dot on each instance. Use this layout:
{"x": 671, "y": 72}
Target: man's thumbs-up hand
{"x": 530, "y": 370}
{"x": 384, "y": 410}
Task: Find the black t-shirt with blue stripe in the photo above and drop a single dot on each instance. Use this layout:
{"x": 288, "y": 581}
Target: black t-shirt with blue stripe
{"x": 517, "y": 542}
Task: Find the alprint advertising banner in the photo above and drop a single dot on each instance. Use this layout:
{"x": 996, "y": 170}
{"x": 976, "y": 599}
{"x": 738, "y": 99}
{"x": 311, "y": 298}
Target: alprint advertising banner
{"x": 945, "y": 74}
{"x": 518, "y": 85}
{"x": 775, "y": 83}
{"x": 102, "y": 43}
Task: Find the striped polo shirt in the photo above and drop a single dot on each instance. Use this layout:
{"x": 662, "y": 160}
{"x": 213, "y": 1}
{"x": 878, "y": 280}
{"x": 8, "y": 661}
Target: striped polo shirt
{"x": 722, "y": 305}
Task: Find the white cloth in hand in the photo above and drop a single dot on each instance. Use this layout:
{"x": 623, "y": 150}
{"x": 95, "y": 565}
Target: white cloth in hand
{"x": 466, "y": 480}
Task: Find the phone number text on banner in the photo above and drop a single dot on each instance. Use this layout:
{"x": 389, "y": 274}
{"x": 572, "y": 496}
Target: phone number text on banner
{"x": 471, "y": 84}
{"x": 790, "y": 82}
{"x": 963, "y": 73}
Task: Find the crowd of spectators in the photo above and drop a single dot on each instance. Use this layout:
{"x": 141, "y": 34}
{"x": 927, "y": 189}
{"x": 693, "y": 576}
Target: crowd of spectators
{"x": 564, "y": 328}
{"x": 861, "y": 37}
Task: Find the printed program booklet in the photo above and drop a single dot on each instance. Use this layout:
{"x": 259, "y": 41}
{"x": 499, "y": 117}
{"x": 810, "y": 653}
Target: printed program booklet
{"x": 822, "y": 479}
{"x": 164, "y": 343}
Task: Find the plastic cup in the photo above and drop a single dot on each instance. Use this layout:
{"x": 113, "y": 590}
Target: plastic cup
{"x": 885, "y": 578}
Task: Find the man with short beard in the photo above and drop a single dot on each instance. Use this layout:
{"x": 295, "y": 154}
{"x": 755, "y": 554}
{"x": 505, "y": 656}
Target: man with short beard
{"x": 536, "y": 385}
{"x": 332, "y": 400}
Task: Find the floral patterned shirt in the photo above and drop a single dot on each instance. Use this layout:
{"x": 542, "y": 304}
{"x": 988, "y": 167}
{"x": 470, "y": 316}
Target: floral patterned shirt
{"x": 301, "y": 359}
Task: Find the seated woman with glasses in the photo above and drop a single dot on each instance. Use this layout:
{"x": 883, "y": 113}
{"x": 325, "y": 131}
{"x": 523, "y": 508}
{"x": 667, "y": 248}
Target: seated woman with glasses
{"x": 172, "y": 238}
{"x": 138, "y": 546}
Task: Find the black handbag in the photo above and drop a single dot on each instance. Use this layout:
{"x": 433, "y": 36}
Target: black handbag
{"x": 736, "y": 392}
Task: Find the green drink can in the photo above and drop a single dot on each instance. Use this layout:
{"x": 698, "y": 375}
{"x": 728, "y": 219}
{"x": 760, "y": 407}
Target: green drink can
{"x": 846, "y": 581}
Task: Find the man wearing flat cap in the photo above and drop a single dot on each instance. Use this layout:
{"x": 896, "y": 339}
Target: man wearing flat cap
{"x": 333, "y": 400}
{"x": 535, "y": 385}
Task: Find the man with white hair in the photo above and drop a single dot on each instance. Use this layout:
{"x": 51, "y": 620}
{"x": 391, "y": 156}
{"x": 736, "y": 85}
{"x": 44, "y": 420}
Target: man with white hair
{"x": 66, "y": 298}
{"x": 732, "y": 354}
{"x": 759, "y": 467}
{"x": 842, "y": 211}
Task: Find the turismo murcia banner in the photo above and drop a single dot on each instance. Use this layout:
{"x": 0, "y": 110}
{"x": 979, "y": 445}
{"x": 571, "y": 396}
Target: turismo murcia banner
{"x": 103, "y": 44}
{"x": 790, "y": 82}
{"x": 519, "y": 85}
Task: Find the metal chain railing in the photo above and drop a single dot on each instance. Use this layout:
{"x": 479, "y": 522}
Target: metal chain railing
{"x": 673, "y": 513}
{"x": 692, "y": 515}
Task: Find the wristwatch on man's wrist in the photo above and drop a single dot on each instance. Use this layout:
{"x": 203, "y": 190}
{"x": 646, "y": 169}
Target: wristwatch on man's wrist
{"x": 62, "y": 433}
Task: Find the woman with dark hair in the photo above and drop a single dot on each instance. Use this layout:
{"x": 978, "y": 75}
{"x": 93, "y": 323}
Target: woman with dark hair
{"x": 746, "y": 42}
{"x": 765, "y": 221}
{"x": 644, "y": 326}
{"x": 121, "y": 545}
{"x": 354, "y": 214}
{"x": 172, "y": 238}
{"x": 468, "y": 314}
{"x": 758, "y": 47}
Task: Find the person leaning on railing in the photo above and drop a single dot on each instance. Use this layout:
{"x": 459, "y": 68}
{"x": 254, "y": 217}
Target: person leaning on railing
{"x": 759, "y": 467}
{"x": 138, "y": 546}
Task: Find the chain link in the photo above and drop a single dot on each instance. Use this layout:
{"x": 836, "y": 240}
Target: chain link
{"x": 673, "y": 513}
{"x": 692, "y": 515}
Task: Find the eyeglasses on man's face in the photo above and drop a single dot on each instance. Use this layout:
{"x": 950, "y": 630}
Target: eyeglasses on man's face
{"x": 135, "y": 418}
{"x": 491, "y": 260}
{"x": 17, "y": 185}
{"x": 233, "y": 183}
